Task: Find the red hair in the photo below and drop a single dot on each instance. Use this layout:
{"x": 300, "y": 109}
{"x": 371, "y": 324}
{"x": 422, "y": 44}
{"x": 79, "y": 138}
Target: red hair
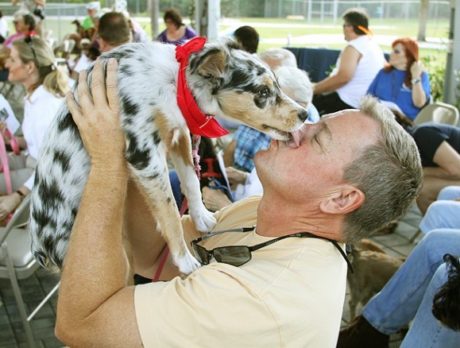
{"x": 411, "y": 53}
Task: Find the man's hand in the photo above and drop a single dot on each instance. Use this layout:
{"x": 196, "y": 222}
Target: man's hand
{"x": 8, "y": 204}
{"x": 97, "y": 117}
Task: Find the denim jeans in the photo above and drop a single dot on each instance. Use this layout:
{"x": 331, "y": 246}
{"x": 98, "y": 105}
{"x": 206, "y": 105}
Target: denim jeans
{"x": 426, "y": 331}
{"x": 441, "y": 214}
{"x": 445, "y": 212}
{"x": 449, "y": 193}
{"x": 398, "y": 302}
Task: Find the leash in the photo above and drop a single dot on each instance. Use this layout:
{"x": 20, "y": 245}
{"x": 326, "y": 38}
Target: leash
{"x": 4, "y": 166}
{"x": 4, "y": 162}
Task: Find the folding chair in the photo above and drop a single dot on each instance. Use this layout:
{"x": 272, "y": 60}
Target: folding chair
{"x": 17, "y": 262}
{"x": 438, "y": 113}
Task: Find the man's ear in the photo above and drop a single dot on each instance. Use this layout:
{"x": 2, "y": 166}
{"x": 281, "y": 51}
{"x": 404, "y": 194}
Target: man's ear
{"x": 345, "y": 200}
{"x": 102, "y": 44}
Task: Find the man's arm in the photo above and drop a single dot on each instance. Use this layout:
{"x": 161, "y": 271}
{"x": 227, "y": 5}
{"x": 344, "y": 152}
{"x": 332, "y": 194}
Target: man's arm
{"x": 348, "y": 63}
{"x": 95, "y": 307}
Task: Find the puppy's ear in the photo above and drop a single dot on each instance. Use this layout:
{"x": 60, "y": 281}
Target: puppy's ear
{"x": 211, "y": 64}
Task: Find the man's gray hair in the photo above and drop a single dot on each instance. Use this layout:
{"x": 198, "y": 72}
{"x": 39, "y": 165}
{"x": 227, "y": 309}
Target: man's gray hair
{"x": 389, "y": 173}
{"x": 281, "y": 56}
{"x": 295, "y": 83}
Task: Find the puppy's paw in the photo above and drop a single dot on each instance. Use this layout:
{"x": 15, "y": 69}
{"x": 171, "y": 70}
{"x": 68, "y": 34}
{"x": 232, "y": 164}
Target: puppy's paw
{"x": 204, "y": 220}
{"x": 186, "y": 263}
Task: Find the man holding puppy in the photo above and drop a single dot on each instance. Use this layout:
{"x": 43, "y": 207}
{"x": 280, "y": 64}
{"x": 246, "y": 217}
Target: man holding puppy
{"x": 280, "y": 284}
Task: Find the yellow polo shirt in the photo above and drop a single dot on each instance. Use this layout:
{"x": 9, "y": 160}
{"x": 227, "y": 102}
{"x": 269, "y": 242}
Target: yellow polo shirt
{"x": 290, "y": 294}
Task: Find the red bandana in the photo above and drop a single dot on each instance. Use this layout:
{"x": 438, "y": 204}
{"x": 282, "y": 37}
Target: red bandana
{"x": 198, "y": 123}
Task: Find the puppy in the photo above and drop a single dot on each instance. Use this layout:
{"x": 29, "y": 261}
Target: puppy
{"x": 372, "y": 270}
{"x": 223, "y": 80}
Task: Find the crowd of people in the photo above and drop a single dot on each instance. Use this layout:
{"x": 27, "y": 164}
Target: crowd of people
{"x": 360, "y": 163}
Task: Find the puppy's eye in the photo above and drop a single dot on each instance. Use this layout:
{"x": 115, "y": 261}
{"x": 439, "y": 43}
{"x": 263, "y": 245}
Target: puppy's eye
{"x": 264, "y": 92}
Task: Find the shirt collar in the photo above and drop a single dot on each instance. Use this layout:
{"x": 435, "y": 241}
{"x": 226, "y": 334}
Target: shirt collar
{"x": 39, "y": 91}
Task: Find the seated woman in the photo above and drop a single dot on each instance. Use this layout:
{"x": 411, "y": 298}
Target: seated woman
{"x": 439, "y": 147}
{"x": 422, "y": 292}
{"x": 402, "y": 84}
{"x": 31, "y": 64}
{"x": 176, "y": 31}
{"x": 356, "y": 67}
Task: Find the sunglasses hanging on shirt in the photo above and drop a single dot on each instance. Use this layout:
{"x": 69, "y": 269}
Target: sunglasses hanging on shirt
{"x": 238, "y": 255}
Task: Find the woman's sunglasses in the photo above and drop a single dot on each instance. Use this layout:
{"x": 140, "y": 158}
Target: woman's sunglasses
{"x": 238, "y": 255}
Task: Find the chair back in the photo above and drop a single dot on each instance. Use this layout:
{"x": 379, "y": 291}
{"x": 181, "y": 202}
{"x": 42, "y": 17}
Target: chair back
{"x": 438, "y": 113}
{"x": 15, "y": 243}
{"x": 17, "y": 262}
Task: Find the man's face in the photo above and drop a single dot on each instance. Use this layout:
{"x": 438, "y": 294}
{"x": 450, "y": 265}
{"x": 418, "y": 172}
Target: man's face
{"x": 91, "y": 12}
{"x": 312, "y": 170}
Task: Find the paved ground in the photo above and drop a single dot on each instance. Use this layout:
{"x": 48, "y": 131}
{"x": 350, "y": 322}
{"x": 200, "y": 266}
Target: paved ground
{"x": 12, "y": 333}
{"x": 395, "y": 244}
{"x": 33, "y": 289}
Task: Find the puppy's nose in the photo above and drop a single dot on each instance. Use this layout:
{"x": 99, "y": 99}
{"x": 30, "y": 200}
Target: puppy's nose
{"x": 302, "y": 115}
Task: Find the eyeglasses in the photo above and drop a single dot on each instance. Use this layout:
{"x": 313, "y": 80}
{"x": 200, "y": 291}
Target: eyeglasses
{"x": 238, "y": 255}
{"x": 28, "y": 40}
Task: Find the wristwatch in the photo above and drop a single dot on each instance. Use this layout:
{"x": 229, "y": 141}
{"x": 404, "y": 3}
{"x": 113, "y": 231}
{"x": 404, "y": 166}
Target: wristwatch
{"x": 415, "y": 81}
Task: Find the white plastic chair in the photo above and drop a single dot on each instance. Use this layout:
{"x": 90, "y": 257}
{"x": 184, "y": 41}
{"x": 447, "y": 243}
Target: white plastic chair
{"x": 438, "y": 113}
{"x": 17, "y": 262}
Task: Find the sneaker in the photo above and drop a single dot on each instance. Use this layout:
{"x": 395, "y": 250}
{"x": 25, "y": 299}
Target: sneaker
{"x": 361, "y": 334}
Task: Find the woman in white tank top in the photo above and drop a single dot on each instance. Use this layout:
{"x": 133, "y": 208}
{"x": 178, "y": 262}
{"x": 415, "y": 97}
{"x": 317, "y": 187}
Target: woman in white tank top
{"x": 356, "y": 67}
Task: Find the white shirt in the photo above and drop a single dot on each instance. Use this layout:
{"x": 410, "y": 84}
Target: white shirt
{"x": 83, "y": 63}
{"x": 3, "y": 27}
{"x": 251, "y": 187}
{"x": 7, "y": 115}
{"x": 370, "y": 63}
{"x": 40, "y": 109}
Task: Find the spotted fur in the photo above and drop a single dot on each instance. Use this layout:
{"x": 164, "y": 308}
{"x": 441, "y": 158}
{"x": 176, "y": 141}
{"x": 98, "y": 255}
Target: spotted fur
{"x": 225, "y": 81}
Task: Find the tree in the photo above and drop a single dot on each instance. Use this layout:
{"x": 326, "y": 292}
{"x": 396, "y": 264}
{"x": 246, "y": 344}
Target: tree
{"x": 423, "y": 19}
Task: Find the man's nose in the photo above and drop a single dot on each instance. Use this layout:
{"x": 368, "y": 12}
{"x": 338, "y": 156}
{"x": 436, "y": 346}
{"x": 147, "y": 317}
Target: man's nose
{"x": 302, "y": 115}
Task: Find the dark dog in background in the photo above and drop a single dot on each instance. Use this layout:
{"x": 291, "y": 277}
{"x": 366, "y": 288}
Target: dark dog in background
{"x": 372, "y": 270}
{"x": 446, "y": 305}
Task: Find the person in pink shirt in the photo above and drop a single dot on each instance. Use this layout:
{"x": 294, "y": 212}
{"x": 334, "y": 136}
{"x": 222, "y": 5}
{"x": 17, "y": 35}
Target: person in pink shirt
{"x": 24, "y": 23}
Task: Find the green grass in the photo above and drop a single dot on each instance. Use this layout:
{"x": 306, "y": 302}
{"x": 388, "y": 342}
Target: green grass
{"x": 435, "y": 28}
{"x": 398, "y": 27}
{"x": 300, "y": 28}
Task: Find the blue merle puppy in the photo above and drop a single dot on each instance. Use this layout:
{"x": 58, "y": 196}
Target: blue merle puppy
{"x": 224, "y": 81}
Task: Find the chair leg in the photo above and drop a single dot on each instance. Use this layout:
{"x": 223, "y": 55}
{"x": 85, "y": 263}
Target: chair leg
{"x": 44, "y": 301}
{"x": 20, "y": 302}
